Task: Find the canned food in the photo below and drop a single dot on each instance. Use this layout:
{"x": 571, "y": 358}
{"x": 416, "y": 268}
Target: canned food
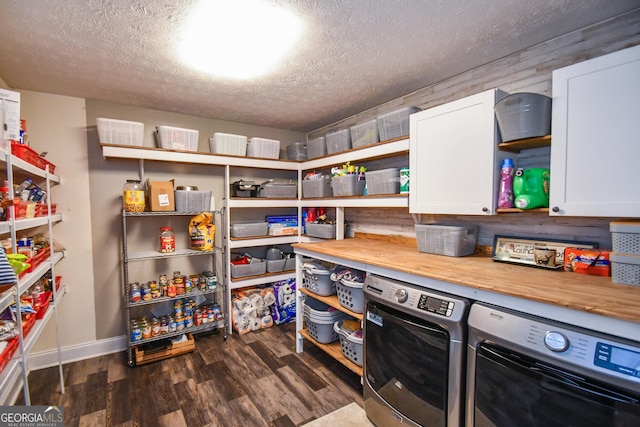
{"x": 172, "y": 324}
{"x": 136, "y": 331}
{"x": 146, "y": 328}
{"x": 164, "y": 325}
{"x": 188, "y": 321}
{"x": 198, "y": 317}
{"x": 155, "y": 327}
{"x": 171, "y": 289}
{"x": 146, "y": 292}
{"x": 136, "y": 293}
{"x": 179, "y": 322}
{"x": 178, "y": 308}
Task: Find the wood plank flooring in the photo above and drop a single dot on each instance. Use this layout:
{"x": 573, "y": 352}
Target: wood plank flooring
{"x": 255, "y": 379}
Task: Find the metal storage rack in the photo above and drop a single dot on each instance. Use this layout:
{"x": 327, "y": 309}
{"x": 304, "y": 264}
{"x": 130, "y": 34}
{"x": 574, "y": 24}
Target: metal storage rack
{"x": 216, "y": 296}
{"x": 14, "y": 376}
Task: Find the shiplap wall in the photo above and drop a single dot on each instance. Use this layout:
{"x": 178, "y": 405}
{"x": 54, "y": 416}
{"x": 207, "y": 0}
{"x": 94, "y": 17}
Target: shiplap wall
{"x": 526, "y": 71}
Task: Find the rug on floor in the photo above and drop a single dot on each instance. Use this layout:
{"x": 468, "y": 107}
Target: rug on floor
{"x": 351, "y": 415}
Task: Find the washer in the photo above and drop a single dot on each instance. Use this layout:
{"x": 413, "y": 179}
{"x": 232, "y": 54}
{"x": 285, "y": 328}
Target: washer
{"x": 529, "y": 371}
{"x": 414, "y": 354}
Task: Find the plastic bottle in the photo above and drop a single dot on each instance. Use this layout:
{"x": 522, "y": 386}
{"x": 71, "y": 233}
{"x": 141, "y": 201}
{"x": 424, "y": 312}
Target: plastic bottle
{"x": 133, "y": 196}
{"x": 531, "y": 188}
{"x": 505, "y": 198}
{"x": 167, "y": 240}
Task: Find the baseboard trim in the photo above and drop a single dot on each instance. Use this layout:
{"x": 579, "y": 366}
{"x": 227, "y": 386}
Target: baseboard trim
{"x": 48, "y": 358}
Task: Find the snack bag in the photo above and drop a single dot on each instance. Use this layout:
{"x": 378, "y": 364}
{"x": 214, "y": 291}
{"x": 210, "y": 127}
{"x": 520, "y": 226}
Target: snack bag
{"x": 202, "y": 232}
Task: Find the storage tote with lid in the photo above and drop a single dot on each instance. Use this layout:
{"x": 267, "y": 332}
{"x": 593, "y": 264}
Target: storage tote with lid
{"x": 625, "y": 236}
{"x": 384, "y": 181}
{"x": 189, "y": 199}
{"x": 447, "y": 239}
{"x": 316, "y": 147}
{"x": 263, "y": 148}
{"x": 279, "y": 188}
{"x": 297, "y": 151}
{"x": 338, "y": 141}
{"x": 395, "y": 124}
{"x": 364, "y": 134}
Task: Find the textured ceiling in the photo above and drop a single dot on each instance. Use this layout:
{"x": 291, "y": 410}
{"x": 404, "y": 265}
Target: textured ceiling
{"x": 355, "y": 54}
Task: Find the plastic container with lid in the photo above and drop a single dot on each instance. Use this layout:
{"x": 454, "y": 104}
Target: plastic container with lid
{"x": 167, "y": 240}
{"x": 133, "y": 196}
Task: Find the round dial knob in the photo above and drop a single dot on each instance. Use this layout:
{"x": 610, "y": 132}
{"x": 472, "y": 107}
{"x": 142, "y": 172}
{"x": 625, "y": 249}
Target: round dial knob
{"x": 555, "y": 341}
{"x": 402, "y": 295}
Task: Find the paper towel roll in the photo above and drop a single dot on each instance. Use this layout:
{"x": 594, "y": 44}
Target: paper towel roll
{"x": 242, "y": 303}
{"x": 286, "y": 288}
{"x": 289, "y": 299}
{"x": 269, "y": 298}
{"x": 257, "y": 301}
{"x": 267, "y": 321}
{"x": 255, "y": 324}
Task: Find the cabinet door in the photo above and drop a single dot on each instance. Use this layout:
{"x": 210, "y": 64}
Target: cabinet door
{"x": 453, "y": 157}
{"x": 595, "y": 152}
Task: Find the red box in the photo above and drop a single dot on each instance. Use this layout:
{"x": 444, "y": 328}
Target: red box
{"x": 587, "y": 261}
{"x": 29, "y": 155}
{"x": 27, "y": 323}
{"x": 8, "y": 352}
{"x": 45, "y": 299}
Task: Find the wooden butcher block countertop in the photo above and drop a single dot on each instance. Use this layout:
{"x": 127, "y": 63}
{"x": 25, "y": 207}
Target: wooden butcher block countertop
{"x": 592, "y": 294}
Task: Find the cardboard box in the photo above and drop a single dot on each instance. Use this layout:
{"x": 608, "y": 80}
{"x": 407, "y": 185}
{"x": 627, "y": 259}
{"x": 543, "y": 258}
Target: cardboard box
{"x": 587, "y": 261}
{"x": 161, "y": 196}
{"x": 10, "y": 111}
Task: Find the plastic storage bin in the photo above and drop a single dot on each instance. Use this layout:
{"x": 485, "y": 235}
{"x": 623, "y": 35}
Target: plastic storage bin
{"x": 625, "y": 236}
{"x": 297, "y": 151}
{"x": 316, "y": 147}
{"x": 445, "y": 239}
{"x": 364, "y": 134}
{"x": 279, "y": 188}
{"x": 625, "y": 269}
{"x": 322, "y": 231}
{"x": 263, "y": 148}
{"x": 385, "y": 181}
{"x": 173, "y": 138}
{"x": 351, "y": 342}
{"x": 229, "y": 144}
{"x": 395, "y": 124}
{"x": 338, "y": 141}
{"x": 350, "y": 295}
{"x": 347, "y": 185}
{"x": 120, "y": 132}
{"x": 319, "y": 319}
{"x": 523, "y": 115}
{"x": 278, "y": 265}
{"x": 318, "y": 281}
{"x": 192, "y": 201}
{"x": 249, "y": 229}
{"x": 252, "y": 269}
{"x": 317, "y": 187}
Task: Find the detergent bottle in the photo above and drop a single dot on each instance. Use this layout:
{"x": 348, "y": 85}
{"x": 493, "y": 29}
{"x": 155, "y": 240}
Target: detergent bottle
{"x": 531, "y": 188}
{"x": 505, "y": 198}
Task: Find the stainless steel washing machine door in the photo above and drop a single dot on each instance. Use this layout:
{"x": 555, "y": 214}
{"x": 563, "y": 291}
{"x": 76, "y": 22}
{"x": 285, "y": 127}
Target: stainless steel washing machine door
{"x": 406, "y": 368}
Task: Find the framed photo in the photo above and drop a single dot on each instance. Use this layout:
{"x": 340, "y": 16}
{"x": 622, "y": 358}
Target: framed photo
{"x": 545, "y": 253}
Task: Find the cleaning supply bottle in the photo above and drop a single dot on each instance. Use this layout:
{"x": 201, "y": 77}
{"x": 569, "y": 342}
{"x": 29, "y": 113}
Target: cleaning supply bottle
{"x": 505, "y": 198}
{"x": 531, "y": 188}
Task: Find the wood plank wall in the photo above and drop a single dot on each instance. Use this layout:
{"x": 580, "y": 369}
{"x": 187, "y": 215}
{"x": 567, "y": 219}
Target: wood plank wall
{"x": 526, "y": 71}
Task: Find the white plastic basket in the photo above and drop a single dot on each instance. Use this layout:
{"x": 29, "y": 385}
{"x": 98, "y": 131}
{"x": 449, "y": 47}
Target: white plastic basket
{"x": 173, "y": 138}
{"x": 279, "y": 189}
{"x": 350, "y": 295}
{"x": 120, "y": 132}
{"x": 350, "y": 343}
{"x": 263, "y": 148}
{"x": 384, "y": 181}
{"x": 625, "y": 269}
{"x": 322, "y": 231}
{"x": 347, "y": 185}
{"x": 317, "y": 187}
{"x": 229, "y": 144}
{"x": 444, "y": 239}
{"x": 192, "y": 201}
{"x": 244, "y": 270}
{"x": 364, "y": 134}
{"x": 318, "y": 281}
{"x": 625, "y": 236}
{"x": 249, "y": 229}
{"x": 316, "y": 147}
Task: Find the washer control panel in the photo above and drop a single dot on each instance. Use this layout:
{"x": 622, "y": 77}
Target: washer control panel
{"x": 436, "y": 305}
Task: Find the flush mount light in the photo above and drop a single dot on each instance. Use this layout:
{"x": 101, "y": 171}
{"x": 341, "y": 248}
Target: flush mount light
{"x": 238, "y": 39}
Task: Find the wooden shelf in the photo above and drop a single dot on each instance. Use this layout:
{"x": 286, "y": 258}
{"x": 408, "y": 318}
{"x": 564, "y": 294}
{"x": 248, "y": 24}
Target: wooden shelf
{"x": 334, "y": 350}
{"x": 332, "y": 300}
{"x": 516, "y": 210}
{"x": 525, "y": 144}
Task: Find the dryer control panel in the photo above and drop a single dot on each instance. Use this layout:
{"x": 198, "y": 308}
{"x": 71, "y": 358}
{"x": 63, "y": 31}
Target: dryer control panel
{"x": 436, "y": 305}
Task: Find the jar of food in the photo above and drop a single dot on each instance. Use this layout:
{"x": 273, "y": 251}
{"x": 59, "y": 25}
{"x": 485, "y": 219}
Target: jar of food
{"x": 145, "y": 325}
{"x": 171, "y": 289}
{"x": 133, "y": 196}
{"x": 136, "y": 293}
{"x": 136, "y": 331}
{"x": 146, "y": 292}
{"x": 172, "y": 324}
{"x": 167, "y": 240}
{"x": 155, "y": 327}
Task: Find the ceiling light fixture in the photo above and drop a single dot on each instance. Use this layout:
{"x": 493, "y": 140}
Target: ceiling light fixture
{"x": 239, "y": 39}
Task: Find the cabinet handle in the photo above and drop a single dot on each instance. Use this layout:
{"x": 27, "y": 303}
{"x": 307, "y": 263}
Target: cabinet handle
{"x": 485, "y": 209}
{"x": 555, "y": 209}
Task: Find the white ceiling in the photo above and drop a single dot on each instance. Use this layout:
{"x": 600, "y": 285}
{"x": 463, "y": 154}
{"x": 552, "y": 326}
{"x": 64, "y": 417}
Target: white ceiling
{"x": 355, "y": 54}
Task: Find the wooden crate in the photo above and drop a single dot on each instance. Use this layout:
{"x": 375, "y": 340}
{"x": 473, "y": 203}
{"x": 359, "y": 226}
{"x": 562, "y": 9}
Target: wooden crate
{"x": 144, "y": 357}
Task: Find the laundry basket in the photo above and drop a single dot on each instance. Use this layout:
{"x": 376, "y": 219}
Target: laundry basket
{"x": 350, "y": 295}
{"x": 350, "y": 341}
{"x": 318, "y": 280}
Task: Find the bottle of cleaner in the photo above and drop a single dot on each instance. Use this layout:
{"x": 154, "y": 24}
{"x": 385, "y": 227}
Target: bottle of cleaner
{"x": 531, "y": 188}
{"x": 505, "y": 197}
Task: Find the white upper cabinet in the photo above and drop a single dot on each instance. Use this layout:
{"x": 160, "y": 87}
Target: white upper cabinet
{"x": 595, "y": 152}
{"x": 453, "y": 157}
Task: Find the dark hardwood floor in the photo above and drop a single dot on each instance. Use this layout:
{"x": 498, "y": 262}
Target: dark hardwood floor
{"x": 255, "y": 379}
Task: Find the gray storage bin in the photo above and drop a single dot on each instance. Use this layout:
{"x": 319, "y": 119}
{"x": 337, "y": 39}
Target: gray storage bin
{"x": 364, "y": 134}
{"x": 249, "y": 229}
{"x": 279, "y": 265}
{"x": 625, "y": 269}
{"x": 316, "y": 147}
{"x": 297, "y": 151}
{"x": 523, "y": 115}
{"x": 347, "y": 185}
{"x": 350, "y": 295}
{"x": 192, "y": 201}
{"x": 395, "y": 124}
{"x": 317, "y": 188}
{"x": 351, "y": 345}
{"x": 245, "y": 270}
{"x": 338, "y": 141}
{"x": 447, "y": 239}
{"x": 318, "y": 281}
{"x": 279, "y": 189}
{"x": 385, "y": 181}
{"x": 322, "y": 231}
{"x": 320, "y": 331}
